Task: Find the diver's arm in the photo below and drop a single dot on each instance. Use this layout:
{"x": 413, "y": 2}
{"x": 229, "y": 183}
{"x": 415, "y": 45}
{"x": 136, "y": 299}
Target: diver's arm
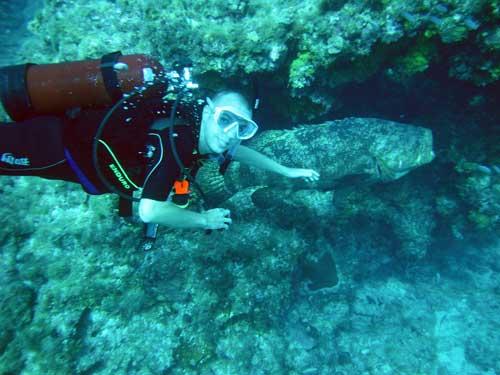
{"x": 254, "y": 158}
{"x": 168, "y": 214}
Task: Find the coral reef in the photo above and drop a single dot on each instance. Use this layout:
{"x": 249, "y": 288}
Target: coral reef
{"x": 82, "y": 300}
{"x": 479, "y": 188}
{"x": 314, "y": 46}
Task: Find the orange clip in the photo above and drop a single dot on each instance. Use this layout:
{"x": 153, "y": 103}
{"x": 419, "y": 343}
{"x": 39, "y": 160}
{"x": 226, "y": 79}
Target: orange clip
{"x": 181, "y": 187}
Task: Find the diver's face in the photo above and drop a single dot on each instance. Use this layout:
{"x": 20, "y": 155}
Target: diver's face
{"x": 216, "y": 139}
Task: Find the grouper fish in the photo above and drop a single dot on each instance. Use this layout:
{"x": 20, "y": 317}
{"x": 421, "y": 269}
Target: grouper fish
{"x": 373, "y": 149}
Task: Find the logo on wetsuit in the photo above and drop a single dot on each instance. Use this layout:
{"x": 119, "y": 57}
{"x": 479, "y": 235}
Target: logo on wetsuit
{"x": 119, "y": 176}
{"x": 10, "y": 159}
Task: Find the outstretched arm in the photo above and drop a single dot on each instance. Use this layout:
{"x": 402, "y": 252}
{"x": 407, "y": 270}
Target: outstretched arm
{"x": 254, "y": 158}
{"x": 168, "y": 214}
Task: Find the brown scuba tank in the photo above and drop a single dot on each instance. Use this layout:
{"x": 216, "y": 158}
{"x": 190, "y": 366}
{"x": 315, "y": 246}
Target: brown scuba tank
{"x": 30, "y": 90}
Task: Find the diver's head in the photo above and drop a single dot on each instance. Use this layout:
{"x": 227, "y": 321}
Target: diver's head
{"x": 226, "y": 120}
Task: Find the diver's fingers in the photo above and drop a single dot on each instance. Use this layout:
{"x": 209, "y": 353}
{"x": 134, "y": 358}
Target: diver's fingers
{"x": 313, "y": 177}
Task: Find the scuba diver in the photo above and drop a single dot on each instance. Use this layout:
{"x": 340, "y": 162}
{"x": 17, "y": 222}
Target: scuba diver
{"x": 122, "y": 124}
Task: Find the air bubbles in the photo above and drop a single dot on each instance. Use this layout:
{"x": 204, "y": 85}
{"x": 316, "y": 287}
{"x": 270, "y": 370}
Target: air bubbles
{"x": 139, "y": 88}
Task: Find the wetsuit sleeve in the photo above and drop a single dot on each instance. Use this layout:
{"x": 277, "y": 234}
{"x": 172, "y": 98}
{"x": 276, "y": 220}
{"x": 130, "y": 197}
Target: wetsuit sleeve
{"x": 162, "y": 168}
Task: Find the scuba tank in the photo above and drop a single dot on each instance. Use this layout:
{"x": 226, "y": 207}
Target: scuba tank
{"x": 30, "y": 90}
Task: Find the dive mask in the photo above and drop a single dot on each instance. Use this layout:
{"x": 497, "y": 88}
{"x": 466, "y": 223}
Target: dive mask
{"x": 227, "y": 120}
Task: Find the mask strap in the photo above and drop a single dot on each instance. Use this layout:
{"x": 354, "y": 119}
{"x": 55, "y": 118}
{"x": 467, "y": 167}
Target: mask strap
{"x": 210, "y": 103}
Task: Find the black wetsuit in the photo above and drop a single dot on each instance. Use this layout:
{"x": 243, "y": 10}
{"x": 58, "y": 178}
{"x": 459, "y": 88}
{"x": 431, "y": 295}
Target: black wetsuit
{"x": 61, "y": 148}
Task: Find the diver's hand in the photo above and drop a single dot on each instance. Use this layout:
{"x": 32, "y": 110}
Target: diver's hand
{"x": 217, "y": 218}
{"x": 310, "y": 175}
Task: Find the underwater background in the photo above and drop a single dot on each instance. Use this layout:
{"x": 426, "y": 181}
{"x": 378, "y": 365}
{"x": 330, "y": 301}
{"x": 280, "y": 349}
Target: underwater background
{"x": 388, "y": 265}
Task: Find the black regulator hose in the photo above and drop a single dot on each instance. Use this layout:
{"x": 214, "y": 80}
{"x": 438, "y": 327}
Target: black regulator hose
{"x": 95, "y": 144}
{"x": 185, "y": 172}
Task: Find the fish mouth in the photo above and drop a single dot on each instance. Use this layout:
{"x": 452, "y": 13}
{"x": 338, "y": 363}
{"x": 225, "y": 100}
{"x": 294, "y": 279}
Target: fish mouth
{"x": 383, "y": 171}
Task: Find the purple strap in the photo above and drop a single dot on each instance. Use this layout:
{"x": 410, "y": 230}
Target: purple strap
{"x": 84, "y": 181}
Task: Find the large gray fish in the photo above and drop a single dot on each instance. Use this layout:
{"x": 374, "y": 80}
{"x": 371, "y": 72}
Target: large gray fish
{"x": 371, "y": 149}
